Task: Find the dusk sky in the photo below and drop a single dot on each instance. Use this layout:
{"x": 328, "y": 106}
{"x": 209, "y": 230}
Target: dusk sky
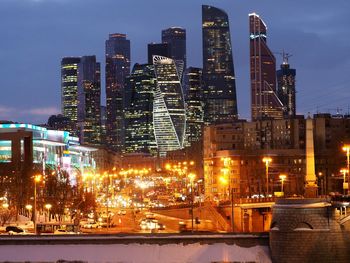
{"x": 36, "y": 34}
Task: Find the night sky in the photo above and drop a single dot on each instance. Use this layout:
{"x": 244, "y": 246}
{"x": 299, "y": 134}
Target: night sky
{"x": 36, "y": 34}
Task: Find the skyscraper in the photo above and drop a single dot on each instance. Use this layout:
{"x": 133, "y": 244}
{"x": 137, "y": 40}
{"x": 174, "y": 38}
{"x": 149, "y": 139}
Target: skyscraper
{"x": 169, "y": 118}
{"x": 139, "y": 134}
{"x": 89, "y": 100}
{"x": 158, "y": 49}
{"x": 194, "y": 105}
{"x": 117, "y": 69}
{"x": 69, "y": 87}
{"x": 264, "y": 101}
{"x": 286, "y": 87}
{"x": 176, "y": 38}
{"x": 219, "y": 88}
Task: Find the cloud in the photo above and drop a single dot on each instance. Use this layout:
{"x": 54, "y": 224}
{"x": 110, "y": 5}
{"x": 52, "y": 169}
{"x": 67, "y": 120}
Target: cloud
{"x": 27, "y": 115}
{"x": 45, "y": 111}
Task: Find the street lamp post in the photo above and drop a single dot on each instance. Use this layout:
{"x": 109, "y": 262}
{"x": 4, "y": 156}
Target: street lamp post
{"x": 192, "y": 176}
{"x": 267, "y": 161}
{"x": 345, "y": 186}
{"x": 346, "y": 148}
{"x": 227, "y": 180}
{"x": 48, "y": 207}
{"x": 283, "y": 178}
{"x": 37, "y": 179}
{"x": 29, "y": 208}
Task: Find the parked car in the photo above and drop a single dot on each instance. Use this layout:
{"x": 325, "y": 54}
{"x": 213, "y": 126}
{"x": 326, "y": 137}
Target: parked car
{"x": 91, "y": 225}
{"x": 63, "y": 232}
{"x": 14, "y": 230}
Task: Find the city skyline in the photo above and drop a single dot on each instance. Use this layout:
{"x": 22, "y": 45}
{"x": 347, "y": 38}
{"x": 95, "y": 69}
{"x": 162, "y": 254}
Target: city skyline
{"x": 309, "y": 37}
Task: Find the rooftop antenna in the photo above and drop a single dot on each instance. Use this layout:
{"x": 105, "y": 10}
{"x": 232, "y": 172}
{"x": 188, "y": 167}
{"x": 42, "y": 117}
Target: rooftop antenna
{"x": 285, "y": 56}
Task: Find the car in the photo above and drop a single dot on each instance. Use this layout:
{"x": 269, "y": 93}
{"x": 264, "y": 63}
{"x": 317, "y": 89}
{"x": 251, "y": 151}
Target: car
{"x": 63, "y": 232}
{"x": 14, "y": 230}
{"x": 91, "y": 225}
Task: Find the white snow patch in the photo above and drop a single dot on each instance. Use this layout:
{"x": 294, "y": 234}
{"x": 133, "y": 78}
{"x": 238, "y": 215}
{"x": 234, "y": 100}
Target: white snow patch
{"x": 136, "y": 253}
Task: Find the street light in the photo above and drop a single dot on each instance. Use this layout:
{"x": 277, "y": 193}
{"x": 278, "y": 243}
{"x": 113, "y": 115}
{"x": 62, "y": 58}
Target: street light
{"x": 282, "y": 178}
{"x": 226, "y": 180}
{"x": 48, "y": 207}
{"x": 5, "y": 205}
{"x": 37, "y": 179}
{"x": 346, "y": 148}
{"x": 345, "y": 185}
{"x": 267, "y": 161}
{"x": 191, "y": 176}
{"x": 29, "y": 208}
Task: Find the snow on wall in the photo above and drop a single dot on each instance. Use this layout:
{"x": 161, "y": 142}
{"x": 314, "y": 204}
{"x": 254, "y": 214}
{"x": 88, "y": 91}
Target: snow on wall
{"x": 136, "y": 253}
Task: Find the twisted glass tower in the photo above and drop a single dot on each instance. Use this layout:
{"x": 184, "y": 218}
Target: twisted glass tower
{"x": 169, "y": 117}
{"x": 219, "y": 90}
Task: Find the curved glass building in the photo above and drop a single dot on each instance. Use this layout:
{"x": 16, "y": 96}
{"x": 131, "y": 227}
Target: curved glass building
{"x": 219, "y": 88}
{"x": 169, "y": 117}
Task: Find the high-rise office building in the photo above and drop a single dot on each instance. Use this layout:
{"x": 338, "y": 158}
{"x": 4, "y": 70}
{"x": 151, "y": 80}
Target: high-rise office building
{"x": 158, "y": 49}
{"x": 194, "y": 105}
{"x": 69, "y": 87}
{"x": 139, "y": 89}
{"x": 117, "y": 69}
{"x": 89, "y": 100}
{"x": 219, "y": 86}
{"x": 103, "y": 123}
{"x": 169, "y": 117}
{"x": 176, "y": 38}
{"x": 264, "y": 101}
{"x": 286, "y": 87}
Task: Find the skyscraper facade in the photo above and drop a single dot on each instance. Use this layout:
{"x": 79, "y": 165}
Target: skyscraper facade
{"x": 286, "y": 87}
{"x": 176, "y": 38}
{"x": 117, "y": 69}
{"x": 89, "y": 100}
{"x": 194, "y": 105}
{"x": 69, "y": 87}
{"x": 158, "y": 49}
{"x": 219, "y": 86}
{"x": 264, "y": 102}
{"x": 139, "y": 133}
{"x": 169, "y": 117}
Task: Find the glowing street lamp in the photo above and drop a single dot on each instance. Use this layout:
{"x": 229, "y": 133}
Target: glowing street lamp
{"x": 346, "y": 148}
{"x": 267, "y": 161}
{"x": 5, "y": 205}
{"x": 29, "y": 208}
{"x": 282, "y": 178}
{"x": 192, "y": 176}
{"x": 37, "y": 179}
{"x": 48, "y": 207}
{"x": 345, "y": 185}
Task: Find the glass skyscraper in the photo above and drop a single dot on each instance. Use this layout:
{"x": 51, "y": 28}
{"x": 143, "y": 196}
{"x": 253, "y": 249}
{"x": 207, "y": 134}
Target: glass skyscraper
{"x": 69, "y": 87}
{"x": 286, "y": 87}
{"x": 117, "y": 69}
{"x": 264, "y": 102}
{"x": 194, "y": 104}
{"x": 219, "y": 86}
{"x": 169, "y": 117}
{"x": 139, "y": 89}
{"x": 158, "y": 49}
{"x": 176, "y": 38}
{"x": 89, "y": 100}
